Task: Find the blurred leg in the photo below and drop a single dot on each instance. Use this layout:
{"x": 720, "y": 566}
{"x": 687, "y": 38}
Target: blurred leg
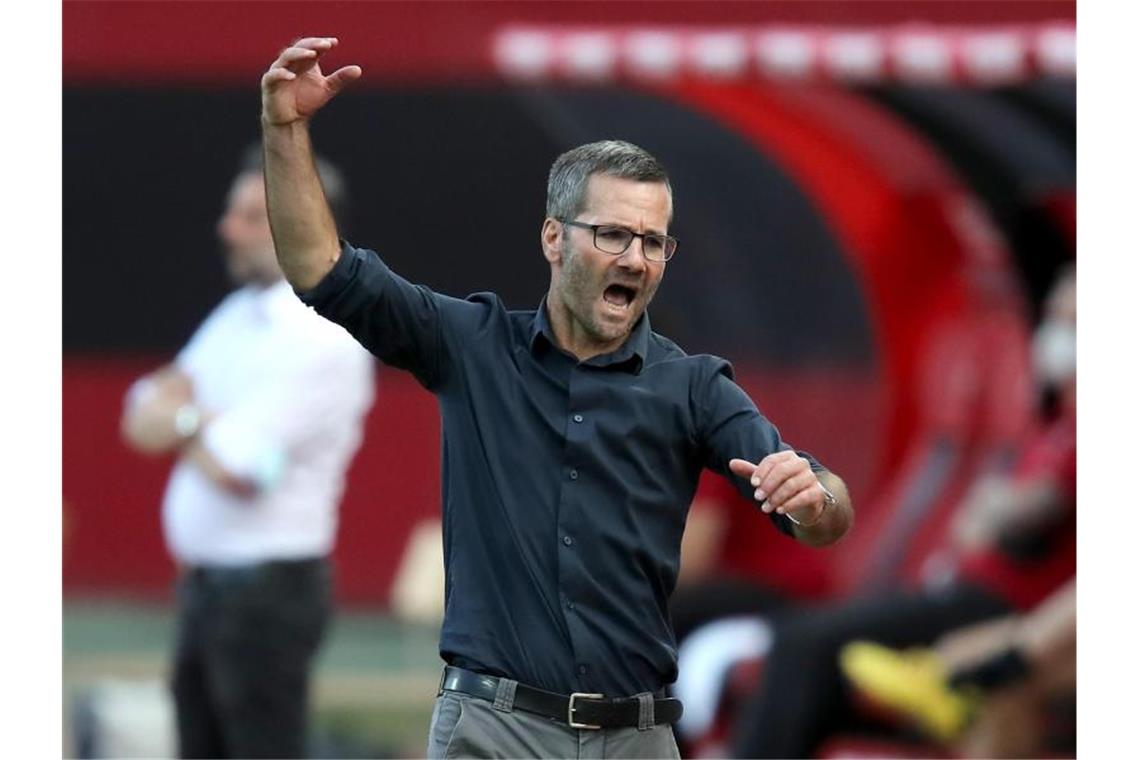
{"x": 802, "y": 693}
{"x": 199, "y": 735}
{"x": 260, "y": 655}
{"x": 968, "y": 645}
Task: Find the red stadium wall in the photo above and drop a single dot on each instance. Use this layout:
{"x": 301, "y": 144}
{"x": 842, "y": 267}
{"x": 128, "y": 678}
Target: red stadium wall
{"x": 169, "y": 42}
{"x": 112, "y": 532}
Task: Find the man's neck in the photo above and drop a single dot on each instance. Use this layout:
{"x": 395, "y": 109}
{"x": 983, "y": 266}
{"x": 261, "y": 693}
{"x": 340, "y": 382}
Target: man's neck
{"x": 571, "y": 336}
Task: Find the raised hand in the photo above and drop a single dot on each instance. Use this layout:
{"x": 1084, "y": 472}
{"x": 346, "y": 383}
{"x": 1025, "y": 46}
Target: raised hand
{"x": 293, "y": 89}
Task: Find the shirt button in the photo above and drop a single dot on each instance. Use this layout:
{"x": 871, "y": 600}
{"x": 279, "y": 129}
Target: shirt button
{"x": 577, "y": 418}
{"x": 582, "y": 670}
{"x": 573, "y": 474}
{"x": 567, "y": 540}
{"x": 569, "y": 604}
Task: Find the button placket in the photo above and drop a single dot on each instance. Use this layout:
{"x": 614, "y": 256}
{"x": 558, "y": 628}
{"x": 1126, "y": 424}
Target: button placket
{"x": 571, "y": 571}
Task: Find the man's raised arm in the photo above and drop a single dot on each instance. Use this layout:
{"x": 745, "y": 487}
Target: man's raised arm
{"x": 292, "y": 90}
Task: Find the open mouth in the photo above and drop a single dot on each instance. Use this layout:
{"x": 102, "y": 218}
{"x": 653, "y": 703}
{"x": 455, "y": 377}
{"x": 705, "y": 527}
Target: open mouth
{"x": 619, "y": 296}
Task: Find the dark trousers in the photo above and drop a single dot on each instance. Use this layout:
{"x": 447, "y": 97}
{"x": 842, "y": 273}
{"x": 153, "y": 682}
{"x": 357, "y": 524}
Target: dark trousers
{"x": 246, "y": 641}
{"x": 802, "y": 698}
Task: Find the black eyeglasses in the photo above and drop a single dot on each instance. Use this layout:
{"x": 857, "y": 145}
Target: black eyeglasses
{"x": 613, "y": 239}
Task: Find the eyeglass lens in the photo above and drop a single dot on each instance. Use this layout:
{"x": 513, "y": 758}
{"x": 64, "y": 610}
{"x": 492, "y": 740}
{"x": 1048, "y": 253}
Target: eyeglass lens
{"x": 617, "y": 239}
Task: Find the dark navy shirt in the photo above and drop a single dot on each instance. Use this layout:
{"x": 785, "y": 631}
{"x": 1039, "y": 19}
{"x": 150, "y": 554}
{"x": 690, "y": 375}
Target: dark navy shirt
{"x": 565, "y": 484}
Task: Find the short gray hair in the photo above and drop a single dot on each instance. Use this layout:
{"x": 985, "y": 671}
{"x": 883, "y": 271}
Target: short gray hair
{"x": 332, "y": 179}
{"x": 566, "y": 187}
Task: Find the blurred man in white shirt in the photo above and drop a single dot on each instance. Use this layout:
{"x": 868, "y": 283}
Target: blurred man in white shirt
{"x": 264, "y": 409}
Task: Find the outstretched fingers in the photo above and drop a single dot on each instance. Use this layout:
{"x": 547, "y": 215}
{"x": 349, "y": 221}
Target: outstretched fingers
{"x": 303, "y": 53}
{"x": 295, "y": 60}
{"x": 276, "y": 76}
{"x": 316, "y": 43}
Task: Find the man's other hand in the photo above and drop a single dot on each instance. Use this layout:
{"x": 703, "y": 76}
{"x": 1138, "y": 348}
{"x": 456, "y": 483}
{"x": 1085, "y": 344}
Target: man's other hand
{"x": 293, "y": 89}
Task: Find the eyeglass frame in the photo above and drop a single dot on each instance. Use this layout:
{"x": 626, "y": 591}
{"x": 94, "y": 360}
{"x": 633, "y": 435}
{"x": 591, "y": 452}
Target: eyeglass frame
{"x": 633, "y": 235}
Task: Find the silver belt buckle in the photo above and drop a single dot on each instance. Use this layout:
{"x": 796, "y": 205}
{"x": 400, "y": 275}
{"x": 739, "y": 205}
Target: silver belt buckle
{"x": 570, "y": 710}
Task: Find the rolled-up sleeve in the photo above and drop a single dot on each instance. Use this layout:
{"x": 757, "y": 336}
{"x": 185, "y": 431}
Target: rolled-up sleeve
{"x": 396, "y": 320}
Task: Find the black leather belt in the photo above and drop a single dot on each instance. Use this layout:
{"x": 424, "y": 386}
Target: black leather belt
{"x": 577, "y": 710}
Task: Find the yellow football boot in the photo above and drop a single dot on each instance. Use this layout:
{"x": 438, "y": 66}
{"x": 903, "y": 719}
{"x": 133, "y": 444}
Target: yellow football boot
{"x": 912, "y": 682}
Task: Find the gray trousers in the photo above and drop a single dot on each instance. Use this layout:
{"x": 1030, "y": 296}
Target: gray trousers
{"x": 465, "y": 726}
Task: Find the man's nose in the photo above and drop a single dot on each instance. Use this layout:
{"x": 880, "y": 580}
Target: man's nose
{"x": 634, "y": 255}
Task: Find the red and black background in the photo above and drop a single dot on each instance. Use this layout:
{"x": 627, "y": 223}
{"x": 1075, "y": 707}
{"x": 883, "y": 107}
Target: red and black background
{"x": 870, "y": 257}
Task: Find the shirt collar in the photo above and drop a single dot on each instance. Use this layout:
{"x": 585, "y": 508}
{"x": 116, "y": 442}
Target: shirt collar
{"x": 632, "y": 351}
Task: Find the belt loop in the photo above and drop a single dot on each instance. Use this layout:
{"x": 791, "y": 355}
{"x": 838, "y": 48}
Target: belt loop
{"x": 505, "y": 695}
{"x": 645, "y": 717}
{"x": 442, "y": 678}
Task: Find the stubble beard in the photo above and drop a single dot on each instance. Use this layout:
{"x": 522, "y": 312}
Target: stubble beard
{"x": 580, "y": 294}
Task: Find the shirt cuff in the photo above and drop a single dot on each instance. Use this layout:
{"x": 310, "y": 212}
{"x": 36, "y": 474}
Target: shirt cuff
{"x": 244, "y": 453}
{"x": 814, "y": 463}
{"x": 335, "y": 281}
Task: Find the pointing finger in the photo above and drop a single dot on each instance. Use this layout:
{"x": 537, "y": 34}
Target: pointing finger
{"x": 741, "y": 468}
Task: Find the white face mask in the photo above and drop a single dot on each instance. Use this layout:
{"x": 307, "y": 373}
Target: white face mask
{"x": 1055, "y": 351}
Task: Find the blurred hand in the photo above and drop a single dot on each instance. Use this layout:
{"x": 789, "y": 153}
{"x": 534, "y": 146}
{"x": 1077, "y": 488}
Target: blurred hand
{"x": 977, "y": 520}
{"x": 784, "y": 483}
{"x": 293, "y": 89}
{"x": 147, "y": 424}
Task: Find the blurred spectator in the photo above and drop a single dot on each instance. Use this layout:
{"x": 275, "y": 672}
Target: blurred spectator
{"x": 1013, "y": 544}
{"x": 262, "y": 440}
{"x": 986, "y": 690}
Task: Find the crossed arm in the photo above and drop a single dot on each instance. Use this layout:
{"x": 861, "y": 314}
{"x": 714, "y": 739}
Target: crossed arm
{"x": 149, "y": 426}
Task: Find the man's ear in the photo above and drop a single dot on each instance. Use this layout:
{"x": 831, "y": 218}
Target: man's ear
{"x": 552, "y": 241}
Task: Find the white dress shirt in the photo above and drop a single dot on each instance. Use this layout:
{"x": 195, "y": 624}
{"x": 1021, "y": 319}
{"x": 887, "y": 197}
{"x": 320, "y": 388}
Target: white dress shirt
{"x": 290, "y": 391}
